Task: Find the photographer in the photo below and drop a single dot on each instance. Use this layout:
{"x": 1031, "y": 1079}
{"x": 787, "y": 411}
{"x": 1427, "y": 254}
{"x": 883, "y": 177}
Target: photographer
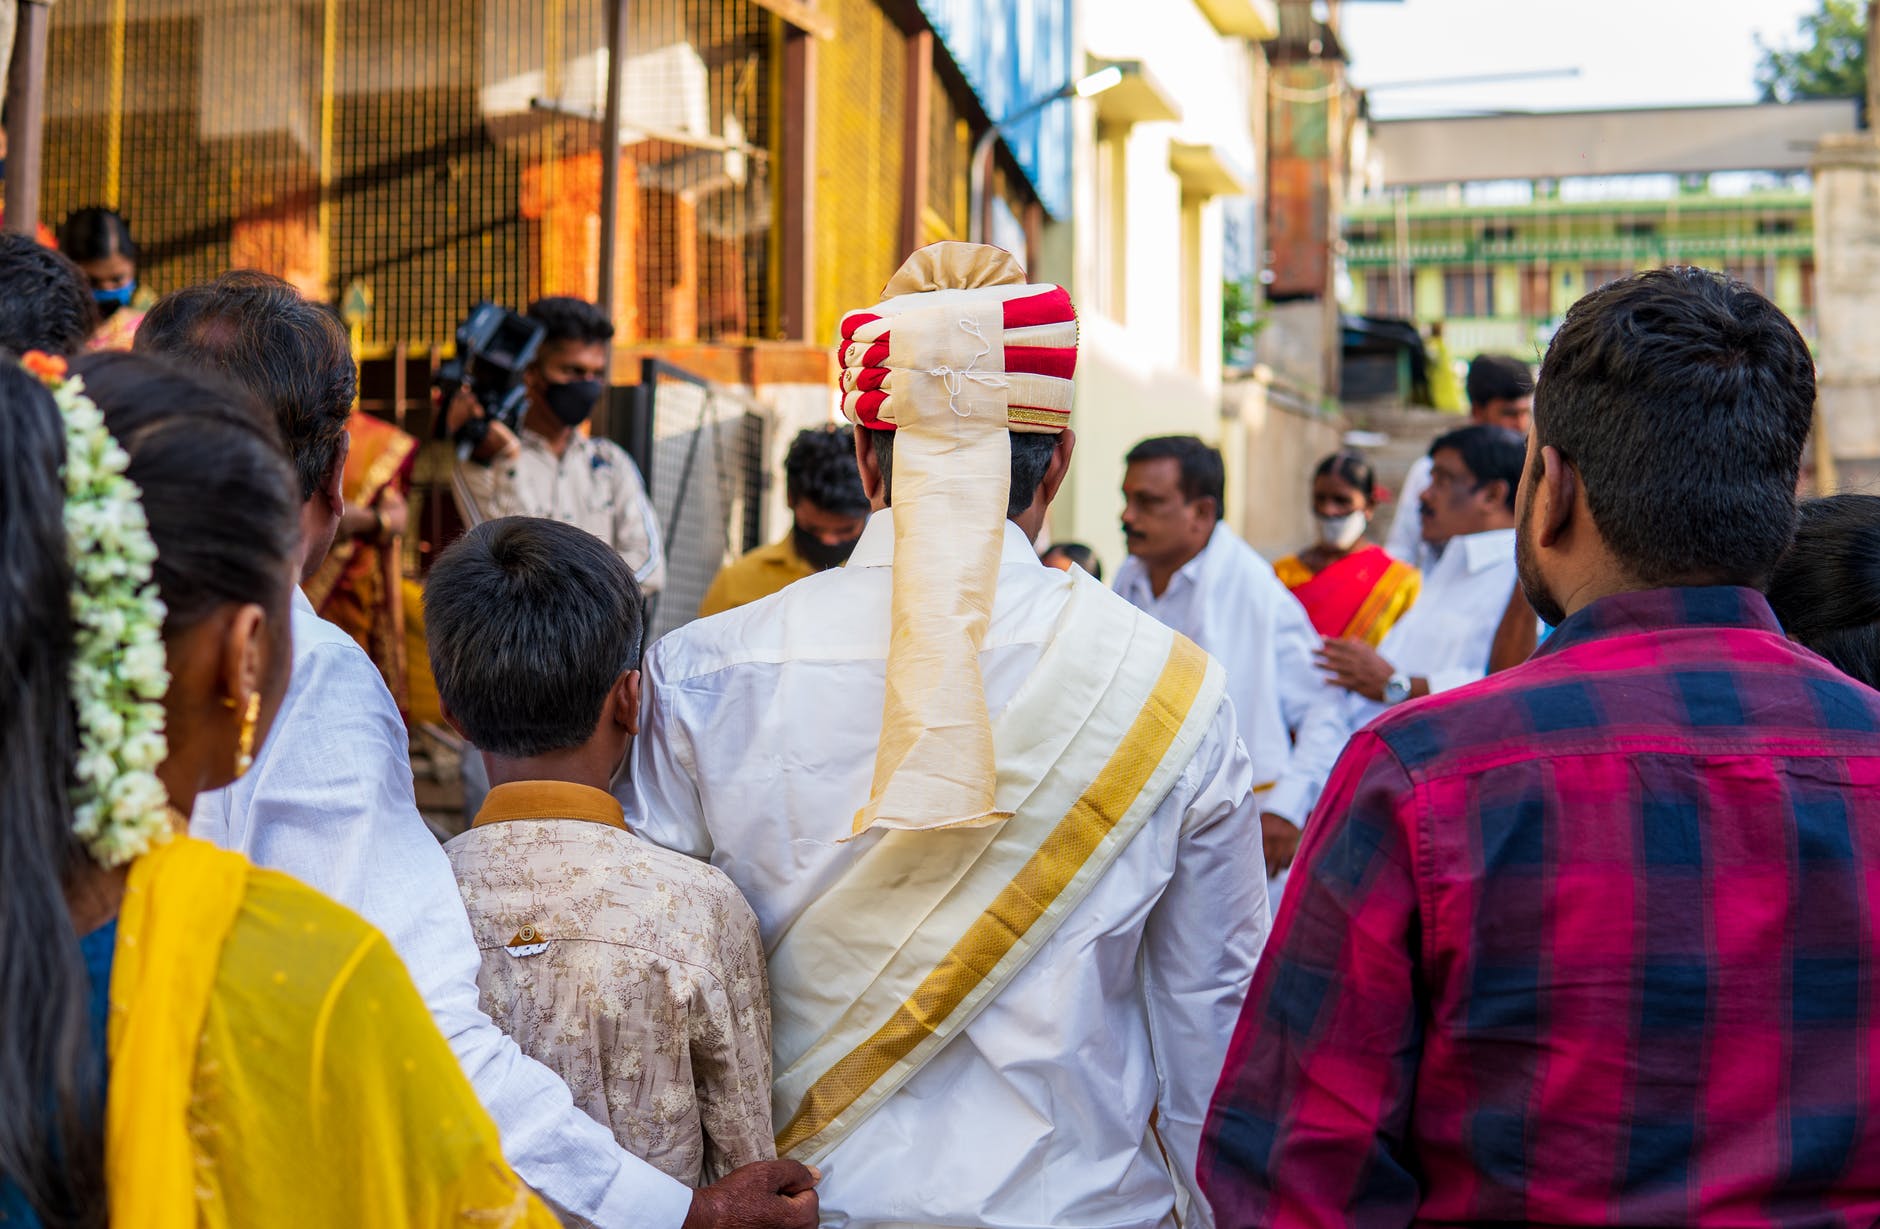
{"x": 550, "y": 468}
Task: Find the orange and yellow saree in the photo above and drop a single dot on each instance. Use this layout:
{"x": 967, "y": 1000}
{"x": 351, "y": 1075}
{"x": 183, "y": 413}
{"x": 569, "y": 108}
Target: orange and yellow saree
{"x": 1360, "y": 597}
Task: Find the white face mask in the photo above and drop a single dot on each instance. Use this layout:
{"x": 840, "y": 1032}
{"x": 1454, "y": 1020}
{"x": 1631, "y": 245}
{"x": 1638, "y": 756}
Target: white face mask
{"x": 1342, "y": 532}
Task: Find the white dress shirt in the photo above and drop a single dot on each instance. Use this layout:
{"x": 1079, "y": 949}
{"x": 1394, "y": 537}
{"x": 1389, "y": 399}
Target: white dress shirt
{"x": 1445, "y": 638}
{"x": 1228, "y": 600}
{"x": 1405, "y": 541}
{"x": 329, "y": 800}
{"x": 758, "y": 746}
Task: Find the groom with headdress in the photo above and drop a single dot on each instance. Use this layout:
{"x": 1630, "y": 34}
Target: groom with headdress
{"x": 995, "y": 823}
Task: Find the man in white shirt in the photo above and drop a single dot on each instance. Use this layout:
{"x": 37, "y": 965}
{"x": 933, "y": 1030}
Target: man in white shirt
{"x": 1445, "y": 639}
{"x": 1188, "y": 569}
{"x": 329, "y": 797}
{"x": 1002, "y": 989}
{"x": 1501, "y": 394}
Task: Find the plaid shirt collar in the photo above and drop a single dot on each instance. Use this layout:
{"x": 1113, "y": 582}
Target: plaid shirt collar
{"x": 1662, "y": 610}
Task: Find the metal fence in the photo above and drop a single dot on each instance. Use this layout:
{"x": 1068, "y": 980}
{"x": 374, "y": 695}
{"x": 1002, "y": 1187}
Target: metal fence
{"x": 700, "y": 447}
{"x": 407, "y": 158}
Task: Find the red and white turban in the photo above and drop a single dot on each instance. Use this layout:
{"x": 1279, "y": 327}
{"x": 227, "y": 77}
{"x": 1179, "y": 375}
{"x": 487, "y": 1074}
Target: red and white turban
{"x": 1038, "y": 345}
{"x": 961, "y": 352}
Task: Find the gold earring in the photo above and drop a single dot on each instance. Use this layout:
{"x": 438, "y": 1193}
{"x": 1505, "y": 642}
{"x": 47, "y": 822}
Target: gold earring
{"x": 245, "y": 748}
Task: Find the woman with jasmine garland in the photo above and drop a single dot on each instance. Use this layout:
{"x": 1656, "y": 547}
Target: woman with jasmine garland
{"x": 184, "y": 1039}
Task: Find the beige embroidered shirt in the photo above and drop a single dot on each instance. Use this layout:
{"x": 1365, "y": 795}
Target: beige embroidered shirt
{"x": 593, "y": 485}
{"x": 634, "y": 973}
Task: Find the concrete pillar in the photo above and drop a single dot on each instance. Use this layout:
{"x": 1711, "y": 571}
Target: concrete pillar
{"x": 1847, "y": 303}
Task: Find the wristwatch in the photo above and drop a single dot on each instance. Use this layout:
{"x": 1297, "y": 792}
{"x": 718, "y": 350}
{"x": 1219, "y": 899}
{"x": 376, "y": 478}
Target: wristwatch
{"x": 1398, "y": 689}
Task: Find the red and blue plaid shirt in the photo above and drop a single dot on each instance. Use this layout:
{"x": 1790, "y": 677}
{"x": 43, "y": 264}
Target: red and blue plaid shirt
{"x": 1593, "y": 941}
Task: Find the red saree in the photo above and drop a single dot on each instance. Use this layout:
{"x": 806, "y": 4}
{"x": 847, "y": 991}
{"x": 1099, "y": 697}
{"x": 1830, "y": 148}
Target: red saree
{"x": 1359, "y": 597}
{"x": 360, "y": 586}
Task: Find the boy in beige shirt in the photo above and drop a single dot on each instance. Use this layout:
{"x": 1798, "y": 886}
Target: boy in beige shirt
{"x": 634, "y": 973}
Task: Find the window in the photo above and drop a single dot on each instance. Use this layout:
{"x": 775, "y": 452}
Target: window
{"x": 1381, "y": 294}
{"x": 1599, "y": 275}
{"x": 1468, "y": 293}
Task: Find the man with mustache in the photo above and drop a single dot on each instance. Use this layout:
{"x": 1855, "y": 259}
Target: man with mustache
{"x": 1193, "y": 573}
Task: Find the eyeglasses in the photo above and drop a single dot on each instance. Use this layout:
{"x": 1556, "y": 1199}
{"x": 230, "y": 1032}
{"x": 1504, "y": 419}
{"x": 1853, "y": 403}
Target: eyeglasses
{"x": 1443, "y": 480}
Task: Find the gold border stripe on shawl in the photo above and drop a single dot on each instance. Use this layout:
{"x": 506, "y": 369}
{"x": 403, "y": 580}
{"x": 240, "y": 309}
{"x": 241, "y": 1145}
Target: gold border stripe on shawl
{"x": 1018, "y": 905}
{"x": 1383, "y": 595}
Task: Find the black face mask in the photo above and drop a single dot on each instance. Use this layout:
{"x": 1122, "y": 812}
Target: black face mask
{"x": 818, "y": 553}
{"x": 574, "y": 401}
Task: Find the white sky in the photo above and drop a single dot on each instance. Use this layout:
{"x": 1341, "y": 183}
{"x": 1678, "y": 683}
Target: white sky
{"x": 1629, "y": 52}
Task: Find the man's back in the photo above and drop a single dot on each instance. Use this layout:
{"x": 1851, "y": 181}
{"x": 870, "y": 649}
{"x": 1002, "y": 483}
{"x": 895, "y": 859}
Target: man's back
{"x": 1615, "y": 936}
{"x": 758, "y": 748}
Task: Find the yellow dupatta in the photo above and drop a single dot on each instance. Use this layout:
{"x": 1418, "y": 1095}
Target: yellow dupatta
{"x": 272, "y": 1064}
{"x": 165, "y": 964}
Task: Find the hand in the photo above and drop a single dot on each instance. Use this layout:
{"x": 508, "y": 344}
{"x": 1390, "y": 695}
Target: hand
{"x": 764, "y": 1195}
{"x": 1356, "y": 666}
{"x": 1281, "y": 837}
{"x": 500, "y": 442}
{"x": 462, "y": 408}
{"x": 394, "y": 514}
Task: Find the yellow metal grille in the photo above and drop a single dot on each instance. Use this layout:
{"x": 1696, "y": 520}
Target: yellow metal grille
{"x": 414, "y": 156}
{"x": 949, "y": 151}
{"x": 860, "y": 100}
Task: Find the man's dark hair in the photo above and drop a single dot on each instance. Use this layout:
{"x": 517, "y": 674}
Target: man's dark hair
{"x": 1203, "y": 474}
{"x": 570, "y": 319}
{"x": 292, "y": 354}
{"x": 820, "y": 467}
{"x": 1684, "y": 399}
{"x": 1826, "y": 589}
{"x": 45, "y": 302}
{"x": 1078, "y": 554}
{"x": 1498, "y": 377}
{"x": 1493, "y": 454}
{"x": 530, "y": 623}
{"x": 1031, "y": 456}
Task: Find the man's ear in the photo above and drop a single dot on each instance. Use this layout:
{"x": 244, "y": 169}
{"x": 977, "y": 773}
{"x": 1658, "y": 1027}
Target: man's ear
{"x": 865, "y": 461}
{"x": 450, "y": 719}
{"x": 1059, "y": 466}
{"x": 334, "y": 487}
{"x": 623, "y": 702}
{"x": 1555, "y": 499}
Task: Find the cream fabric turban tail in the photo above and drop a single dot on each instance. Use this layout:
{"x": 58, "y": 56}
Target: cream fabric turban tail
{"x": 951, "y": 480}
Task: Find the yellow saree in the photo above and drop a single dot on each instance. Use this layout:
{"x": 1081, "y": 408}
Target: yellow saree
{"x": 271, "y": 1064}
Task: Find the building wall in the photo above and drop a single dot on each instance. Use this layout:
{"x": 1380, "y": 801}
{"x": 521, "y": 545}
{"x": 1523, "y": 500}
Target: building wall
{"x": 1146, "y": 251}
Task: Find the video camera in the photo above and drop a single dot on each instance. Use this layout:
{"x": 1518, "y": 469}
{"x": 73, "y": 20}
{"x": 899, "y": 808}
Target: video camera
{"x": 494, "y": 344}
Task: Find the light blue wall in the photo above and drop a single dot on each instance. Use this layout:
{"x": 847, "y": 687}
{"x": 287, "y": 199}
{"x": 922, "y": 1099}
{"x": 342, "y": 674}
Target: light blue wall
{"x": 1013, "y": 52}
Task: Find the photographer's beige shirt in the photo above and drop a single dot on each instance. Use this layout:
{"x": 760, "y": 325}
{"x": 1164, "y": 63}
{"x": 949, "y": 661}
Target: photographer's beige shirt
{"x": 594, "y": 485}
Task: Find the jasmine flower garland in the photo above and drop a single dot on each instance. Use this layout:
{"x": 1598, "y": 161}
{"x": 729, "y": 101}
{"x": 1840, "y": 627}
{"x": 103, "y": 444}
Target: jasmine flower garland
{"x": 119, "y": 672}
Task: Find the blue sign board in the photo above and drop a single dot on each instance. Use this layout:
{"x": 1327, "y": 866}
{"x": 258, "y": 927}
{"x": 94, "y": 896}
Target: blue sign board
{"x": 1014, "y": 52}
